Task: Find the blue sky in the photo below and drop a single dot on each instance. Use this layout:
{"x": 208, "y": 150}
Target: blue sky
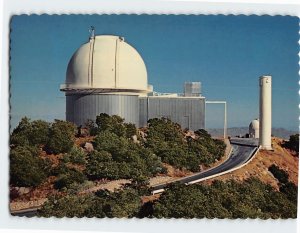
{"x": 226, "y": 53}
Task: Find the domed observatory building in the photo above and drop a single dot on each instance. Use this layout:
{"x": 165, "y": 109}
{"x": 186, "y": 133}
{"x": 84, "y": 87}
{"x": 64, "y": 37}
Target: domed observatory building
{"x": 254, "y": 129}
{"x": 105, "y": 75}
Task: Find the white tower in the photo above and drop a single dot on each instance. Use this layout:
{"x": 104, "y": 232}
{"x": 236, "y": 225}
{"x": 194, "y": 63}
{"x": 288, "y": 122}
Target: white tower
{"x": 265, "y": 112}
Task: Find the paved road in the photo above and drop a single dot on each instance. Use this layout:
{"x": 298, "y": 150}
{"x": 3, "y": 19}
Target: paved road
{"x": 241, "y": 153}
{"x": 31, "y": 212}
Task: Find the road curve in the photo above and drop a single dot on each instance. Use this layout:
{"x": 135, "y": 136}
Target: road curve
{"x": 242, "y": 152}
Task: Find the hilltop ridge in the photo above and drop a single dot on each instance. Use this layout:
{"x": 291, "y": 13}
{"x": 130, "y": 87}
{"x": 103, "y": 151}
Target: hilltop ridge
{"x": 235, "y": 131}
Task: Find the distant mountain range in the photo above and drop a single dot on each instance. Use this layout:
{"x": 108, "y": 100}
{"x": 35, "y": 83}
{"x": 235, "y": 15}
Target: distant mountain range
{"x": 241, "y": 131}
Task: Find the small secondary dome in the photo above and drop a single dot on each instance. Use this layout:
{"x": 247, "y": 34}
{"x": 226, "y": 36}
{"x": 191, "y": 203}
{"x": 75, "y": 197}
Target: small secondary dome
{"x": 106, "y": 64}
{"x": 254, "y": 129}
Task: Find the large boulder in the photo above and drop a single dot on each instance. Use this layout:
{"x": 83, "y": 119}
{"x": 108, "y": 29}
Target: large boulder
{"x": 88, "y": 147}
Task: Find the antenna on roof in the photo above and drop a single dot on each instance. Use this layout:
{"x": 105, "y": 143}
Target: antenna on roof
{"x": 92, "y": 32}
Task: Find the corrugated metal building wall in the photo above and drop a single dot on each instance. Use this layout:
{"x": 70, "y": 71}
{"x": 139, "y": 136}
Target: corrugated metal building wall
{"x": 188, "y": 112}
{"x": 81, "y": 108}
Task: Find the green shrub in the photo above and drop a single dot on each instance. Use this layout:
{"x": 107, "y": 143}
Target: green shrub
{"x": 202, "y": 133}
{"x": 26, "y": 167}
{"x": 66, "y": 206}
{"x": 121, "y": 204}
{"x": 230, "y": 199}
{"x": 75, "y": 156}
{"x": 293, "y": 143}
{"x": 61, "y": 137}
{"x": 290, "y": 190}
{"x": 207, "y": 149}
{"x": 100, "y": 165}
{"x": 281, "y": 175}
{"x": 69, "y": 177}
{"x": 29, "y": 133}
{"x": 166, "y": 139}
{"x": 130, "y": 130}
{"x": 114, "y": 124}
{"x": 112, "y": 143}
{"x": 127, "y": 159}
{"x": 60, "y": 169}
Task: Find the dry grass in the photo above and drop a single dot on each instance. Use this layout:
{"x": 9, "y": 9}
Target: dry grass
{"x": 175, "y": 172}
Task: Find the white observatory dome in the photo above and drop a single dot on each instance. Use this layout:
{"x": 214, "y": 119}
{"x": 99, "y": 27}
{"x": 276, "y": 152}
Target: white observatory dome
{"x": 106, "y": 64}
{"x": 254, "y": 129}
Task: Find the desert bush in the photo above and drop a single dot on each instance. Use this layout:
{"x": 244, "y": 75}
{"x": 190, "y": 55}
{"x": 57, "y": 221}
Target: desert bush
{"x": 230, "y": 199}
{"x": 119, "y": 157}
{"x": 281, "y": 175}
{"x": 123, "y": 203}
{"x": 68, "y": 178}
{"x": 31, "y": 133}
{"x": 75, "y": 156}
{"x": 290, "y": 190}
{"x": 293, "y": 143}
{"x": 26, "y": 167}
{"x": 66, "y": 206}
{"x": 61, "y": 137}
{"x": 101, "y": 165}
{"x": 166, "y": 139}
{"x": 114, "y": 124}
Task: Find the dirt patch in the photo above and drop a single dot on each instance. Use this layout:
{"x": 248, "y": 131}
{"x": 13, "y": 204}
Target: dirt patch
{"x": 54, "y": 159}
{"x": 150, "y": 198}
{"x": 20, "y": 205}
{"x": 79, "y": 141}
{"x": 175, "y": 172}
{"x": 39, "y": 192}
{"x": 109, "y": 185}
{"x": 160, "y": 179}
